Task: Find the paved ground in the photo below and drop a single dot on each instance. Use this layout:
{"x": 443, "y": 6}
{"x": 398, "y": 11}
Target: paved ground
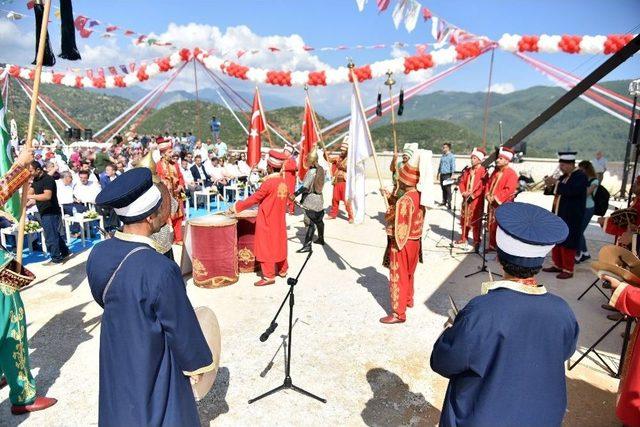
{"x": 370, "y": 373}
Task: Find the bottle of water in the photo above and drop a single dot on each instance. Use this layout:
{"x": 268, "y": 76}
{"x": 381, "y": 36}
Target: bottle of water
{"x": 75, "y": 212}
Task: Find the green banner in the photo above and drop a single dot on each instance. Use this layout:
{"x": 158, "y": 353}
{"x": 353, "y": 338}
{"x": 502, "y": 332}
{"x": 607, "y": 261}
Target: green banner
{"x": 13, "y": 205}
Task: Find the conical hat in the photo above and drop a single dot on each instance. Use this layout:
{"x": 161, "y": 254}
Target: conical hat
{"x": 410, "y": 171}
{"x": 211, "y": 331}
{"x": 148, "y": 162}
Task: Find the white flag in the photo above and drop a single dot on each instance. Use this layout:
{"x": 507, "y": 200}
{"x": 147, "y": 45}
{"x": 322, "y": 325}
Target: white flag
{"x": 360, "y": 149}
{"x": 361, "y": 4}
{"x": 411, "y": 14}
{"x": 398, "y": 12}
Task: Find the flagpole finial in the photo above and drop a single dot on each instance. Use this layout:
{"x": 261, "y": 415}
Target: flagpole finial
{"x": 390, "y": 81}
{"x": 350, "y": 63}
{"x": 306, "y": 87}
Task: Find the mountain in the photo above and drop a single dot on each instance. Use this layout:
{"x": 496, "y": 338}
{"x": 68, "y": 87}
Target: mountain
{"x": 429, "y": 119}
{"x": 580, "y": 126}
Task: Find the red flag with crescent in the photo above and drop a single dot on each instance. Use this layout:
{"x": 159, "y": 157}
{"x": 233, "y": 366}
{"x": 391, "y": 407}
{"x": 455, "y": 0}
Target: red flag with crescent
{"x": 256, "y": 127}
{"x": 308, "y": 139}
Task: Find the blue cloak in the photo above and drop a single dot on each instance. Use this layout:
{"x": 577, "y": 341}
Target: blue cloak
{"x": 149, "y": 337}
{"x": 571, "y": 205}
{"x": 504, "y": 357}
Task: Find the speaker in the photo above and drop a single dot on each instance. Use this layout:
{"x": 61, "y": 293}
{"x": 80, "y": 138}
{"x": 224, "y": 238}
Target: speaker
{"x": 75, "y": 133}
{"x": 68, "y": 133}
{"x": 88, "y": 134}
{"x": 636, "y": 132}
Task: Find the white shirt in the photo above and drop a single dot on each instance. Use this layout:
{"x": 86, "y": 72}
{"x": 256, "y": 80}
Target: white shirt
{"x": 203, "y": 152}
{"x": 187, "y": 175}
{"x": 262, "y": 165}
{"x": 231, "y": 171}
{"x": 64, "y": 192}
{"x": 245, "y": 169}
{"x": 86, "y": 193}
{"x": 599, "y": 165}
{"x": 221, "y": 149}
{"x": 217, "y": 173}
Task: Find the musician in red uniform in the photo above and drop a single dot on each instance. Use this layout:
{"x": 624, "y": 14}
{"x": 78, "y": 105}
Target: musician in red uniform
{"x": 168, "y": 169}
{"x": 501, "y": 188}
{"x": 623, "y": 234}
{"x": 472, "y": 186}
{"x": 271, "y": 226}
{"x": 405, "y": 230}
{"x": 339, "y": 174}
{"x": 290, "y": 168}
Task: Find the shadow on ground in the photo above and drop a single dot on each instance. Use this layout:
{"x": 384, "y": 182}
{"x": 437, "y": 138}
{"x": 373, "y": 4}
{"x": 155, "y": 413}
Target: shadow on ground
{"x": 51, "y": 348}
{"x": 393, "y": 404}
{"x": 215, "y": 403}
{"x": 369, "y": 277}
{"x": 589, "y": 406}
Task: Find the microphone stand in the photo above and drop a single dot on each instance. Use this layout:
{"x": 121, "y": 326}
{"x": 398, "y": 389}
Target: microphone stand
{"x": 453, "y": 223}
{"x": 483, "y": 268}
{"x": 288, "y": 383}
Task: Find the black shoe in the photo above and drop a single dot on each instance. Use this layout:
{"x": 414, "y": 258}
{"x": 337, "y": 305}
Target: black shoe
{"x": 585, "y": 257}
{"x": 304, "y": 249}
{"x": 319, "y": 241}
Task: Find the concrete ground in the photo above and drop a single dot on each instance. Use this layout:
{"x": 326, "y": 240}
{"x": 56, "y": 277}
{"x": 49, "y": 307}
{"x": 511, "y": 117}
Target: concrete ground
{"x": 369, "y": 373}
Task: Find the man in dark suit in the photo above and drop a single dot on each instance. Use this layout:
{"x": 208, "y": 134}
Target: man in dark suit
{"x": 200, "y": 175}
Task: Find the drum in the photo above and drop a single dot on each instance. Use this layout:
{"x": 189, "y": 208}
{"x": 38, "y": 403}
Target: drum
{"x": 214, "y": 251}
{"x": 246, "y": 237}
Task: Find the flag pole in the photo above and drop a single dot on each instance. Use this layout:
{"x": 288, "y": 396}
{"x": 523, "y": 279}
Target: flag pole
{"x": 390, "y": 82}
{"x": 42, "y": 42}
{"x": 264, "y": 117}
{"x": 314, "y": 118}
{"x": 354, "y": 80}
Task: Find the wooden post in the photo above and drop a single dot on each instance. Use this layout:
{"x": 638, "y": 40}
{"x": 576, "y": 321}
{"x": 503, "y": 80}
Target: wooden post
{"x": 32, "y": 118}
{"x": 354, "y": 79}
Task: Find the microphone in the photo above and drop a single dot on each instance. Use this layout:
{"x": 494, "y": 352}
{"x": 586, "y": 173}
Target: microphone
{"x": 265, "y": 335}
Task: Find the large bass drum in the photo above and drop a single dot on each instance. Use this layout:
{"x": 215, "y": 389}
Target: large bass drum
{"x": 214, "y": 251}
{"x": 246, "y": 238}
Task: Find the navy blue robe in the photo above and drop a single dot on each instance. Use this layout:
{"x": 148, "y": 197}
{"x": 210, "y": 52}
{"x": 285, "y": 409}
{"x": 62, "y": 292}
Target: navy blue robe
{"x": 504, "y": 357}
{"x": 571, "y": 202}
{"x": 149, "y": 336}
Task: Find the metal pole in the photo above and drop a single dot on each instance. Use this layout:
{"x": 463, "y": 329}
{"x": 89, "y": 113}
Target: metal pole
{"x": 627, "y": 154}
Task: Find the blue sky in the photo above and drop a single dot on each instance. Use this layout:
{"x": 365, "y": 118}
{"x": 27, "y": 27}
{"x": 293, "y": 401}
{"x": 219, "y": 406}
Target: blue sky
{"x": 335, "y": 22}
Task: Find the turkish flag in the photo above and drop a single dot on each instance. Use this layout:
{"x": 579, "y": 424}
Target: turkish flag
{"x": 256, "y": 127}
{"x": 308, "y": 139}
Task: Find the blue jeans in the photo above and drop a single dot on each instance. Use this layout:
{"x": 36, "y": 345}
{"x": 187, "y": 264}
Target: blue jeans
{"x": 588, "y": 213}
{"x": 55, "y": 243}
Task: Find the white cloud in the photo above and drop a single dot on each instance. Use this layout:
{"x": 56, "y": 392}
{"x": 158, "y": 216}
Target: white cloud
{"x": 502, "y": 88}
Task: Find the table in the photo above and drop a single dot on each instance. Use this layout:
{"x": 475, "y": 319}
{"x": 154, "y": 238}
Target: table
{"x": 80, "y": 219}
{"x": 9, "y": 231}
{"x": 236, "y": 190}
{"x": 206, "y": 193}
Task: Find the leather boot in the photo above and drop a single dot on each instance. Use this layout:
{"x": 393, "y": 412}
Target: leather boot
{"x": 320, "y": 239}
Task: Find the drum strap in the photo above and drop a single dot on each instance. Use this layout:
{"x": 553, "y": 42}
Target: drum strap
{"x": 133, "y": 251}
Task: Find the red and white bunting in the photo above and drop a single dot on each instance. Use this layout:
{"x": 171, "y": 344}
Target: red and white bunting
{"x": 591, "y": 45}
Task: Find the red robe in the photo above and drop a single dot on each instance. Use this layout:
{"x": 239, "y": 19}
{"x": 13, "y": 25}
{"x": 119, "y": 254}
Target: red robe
{"x": 290, "y": 168}
{"x": 472, "y": 180}
{"x": 339, "y": 174}
{"x": 502, "y": 186}
{"x": 404, "y": 251}
{"x": 271, "y": 226}
{"x": 626, "y": 298}
{"x": 171, "y": 176}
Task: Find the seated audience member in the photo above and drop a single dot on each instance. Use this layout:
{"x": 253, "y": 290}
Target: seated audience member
{"x": 66, "y": 199}
{"x": 199, "y": 173}
{"x": 51, "y": 168}
{"x": 243, "y": 166}
{"x": 85, "y": 191}
{"x": 108, "y": 175}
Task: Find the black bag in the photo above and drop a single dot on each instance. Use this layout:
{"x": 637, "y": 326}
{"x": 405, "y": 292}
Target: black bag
{"x": 600, "y": 200}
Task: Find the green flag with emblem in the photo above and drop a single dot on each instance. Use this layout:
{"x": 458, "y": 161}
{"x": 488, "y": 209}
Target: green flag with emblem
{"x": 13, "y": 205}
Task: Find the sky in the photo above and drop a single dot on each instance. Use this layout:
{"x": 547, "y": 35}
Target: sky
{"x": 238, "y": 24}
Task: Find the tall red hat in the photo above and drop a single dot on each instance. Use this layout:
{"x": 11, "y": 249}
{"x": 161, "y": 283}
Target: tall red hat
{"x": 276, "y": 158}
{"x": 410, "y": 172}
{"x": 506, "y": 153}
